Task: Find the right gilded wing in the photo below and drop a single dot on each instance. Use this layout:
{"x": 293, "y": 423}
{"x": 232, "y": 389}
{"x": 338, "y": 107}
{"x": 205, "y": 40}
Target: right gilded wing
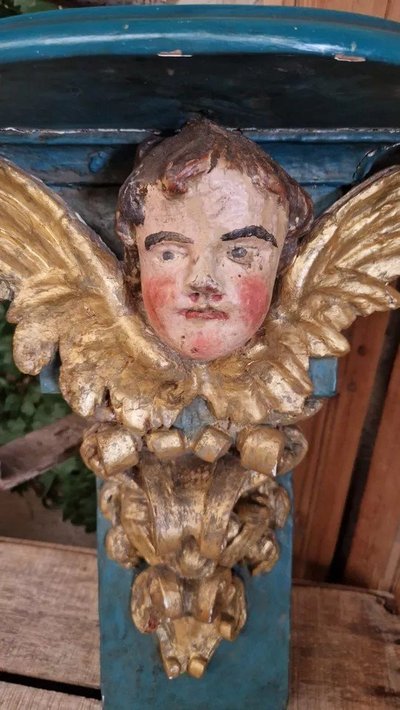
{"x": 343, "y": 270}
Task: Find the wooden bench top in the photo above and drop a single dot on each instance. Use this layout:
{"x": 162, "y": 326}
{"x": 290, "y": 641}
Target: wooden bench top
{"x": 345, "y": 641}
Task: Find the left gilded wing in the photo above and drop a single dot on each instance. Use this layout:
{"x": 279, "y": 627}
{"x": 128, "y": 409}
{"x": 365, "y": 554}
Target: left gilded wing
{"x": 68, "y": 293}
{"x": 343, "y": 270}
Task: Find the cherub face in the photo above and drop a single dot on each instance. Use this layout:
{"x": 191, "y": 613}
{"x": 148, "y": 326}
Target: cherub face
{"x": 208, "y": 262}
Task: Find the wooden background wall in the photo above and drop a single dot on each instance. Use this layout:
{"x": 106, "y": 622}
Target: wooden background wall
{"x": 389, "y": 9}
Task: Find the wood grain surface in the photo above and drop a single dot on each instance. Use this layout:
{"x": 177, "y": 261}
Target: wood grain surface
{"x": 21, "y": 697}
{"x": 48, "y": 603}
{"x": 24, "y": 458}
{"x": 388, "y": 9}
{"x": 25, "y": 517}
{"x": 367, "y": 7}
{"x": 322, "y": 481}
{"x": 345, "y": 651}
{"x": 374, "y": 558}
{"x": 393, "y": 10}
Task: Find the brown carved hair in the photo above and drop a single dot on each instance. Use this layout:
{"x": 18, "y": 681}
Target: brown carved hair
{"x": 197, "y": 149}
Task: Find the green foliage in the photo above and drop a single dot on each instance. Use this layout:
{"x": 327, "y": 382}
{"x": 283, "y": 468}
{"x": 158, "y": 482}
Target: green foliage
{"x": 71, "y": 486}
{"x": 35, "y": 5}
{"x": 23, "y": 408}
{"x": 8, "y": 7}
{"x": 16, "y": 7}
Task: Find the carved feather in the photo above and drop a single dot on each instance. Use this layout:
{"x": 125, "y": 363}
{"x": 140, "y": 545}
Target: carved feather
{"x": 346, "y": 264}
{"x": 68, "y": 293}
{"x": 341, "y": 272}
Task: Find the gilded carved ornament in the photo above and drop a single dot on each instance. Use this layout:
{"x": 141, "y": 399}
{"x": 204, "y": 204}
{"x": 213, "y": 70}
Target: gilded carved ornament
{"x": 191, "y": 356}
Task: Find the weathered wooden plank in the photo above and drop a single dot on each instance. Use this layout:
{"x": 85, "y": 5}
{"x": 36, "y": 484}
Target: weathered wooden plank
{"x": 344, "y": 641}
{"x": 390, "y": 9}
{"x": 286, "y": 3}
{"x": 21, "y": 697}
{"x": 345, "y": 651}
{"x": 48, "y": 612}
{"x": 365, "y": 7}
{"x": 374, "y": 559}
{"x": 25, "y": 458}
{"x": 322, "y": 481}
{"x": 393, "y": 10}
{"x": 26, "y": 518}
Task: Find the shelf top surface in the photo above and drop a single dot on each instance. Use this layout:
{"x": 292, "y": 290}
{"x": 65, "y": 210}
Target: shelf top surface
{"x": 156, "y": 66}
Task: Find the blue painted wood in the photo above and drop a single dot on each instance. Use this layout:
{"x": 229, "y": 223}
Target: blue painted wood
{"x": 251, "y": 672}
{"x": 195, "y": 30}
{"x": 323, "y": 374}
{"x": 241, "y": 90}
{"x": 48, "y": 378}
{"x": 246, "y": 67}
{"x": 318, "y": 163}
{"x": 132, "y": 136}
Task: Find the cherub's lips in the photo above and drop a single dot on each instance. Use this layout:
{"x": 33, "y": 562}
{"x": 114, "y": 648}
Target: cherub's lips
{"x": 203, "y": 314}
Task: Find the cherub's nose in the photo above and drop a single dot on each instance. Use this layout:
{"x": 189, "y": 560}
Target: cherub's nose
{"x": 204, "y": 287}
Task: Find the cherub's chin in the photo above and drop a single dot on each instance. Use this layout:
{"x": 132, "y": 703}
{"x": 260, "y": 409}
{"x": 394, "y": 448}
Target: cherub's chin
{"x": 205, "y": 335}
{"x": 204, "y": 348}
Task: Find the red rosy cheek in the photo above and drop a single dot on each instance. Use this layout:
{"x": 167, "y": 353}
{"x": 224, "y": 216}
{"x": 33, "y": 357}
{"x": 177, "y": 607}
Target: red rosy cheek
{"x": 254, "y": 300}
{"x": 157, "y": 293}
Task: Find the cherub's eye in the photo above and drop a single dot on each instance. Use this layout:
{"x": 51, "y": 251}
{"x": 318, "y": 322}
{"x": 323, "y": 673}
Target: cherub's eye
{"x": 238, "y": 252}
{"x": 243, "y": 256}
{"x": 168, "y": 255}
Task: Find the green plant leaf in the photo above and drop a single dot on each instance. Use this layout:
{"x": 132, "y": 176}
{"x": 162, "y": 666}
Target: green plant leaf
{"x": 24, "y": 408}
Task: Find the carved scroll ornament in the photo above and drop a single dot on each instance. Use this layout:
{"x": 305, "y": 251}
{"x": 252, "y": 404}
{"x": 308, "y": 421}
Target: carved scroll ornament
{"x": 192, "y": 355}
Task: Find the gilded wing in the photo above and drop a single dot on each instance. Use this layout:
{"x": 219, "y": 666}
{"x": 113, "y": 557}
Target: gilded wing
{"x": 342, "y": 271}
{"x": 68, "y": 294}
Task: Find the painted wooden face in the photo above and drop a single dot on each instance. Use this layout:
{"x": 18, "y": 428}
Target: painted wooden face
{"x": 208, "y": 262}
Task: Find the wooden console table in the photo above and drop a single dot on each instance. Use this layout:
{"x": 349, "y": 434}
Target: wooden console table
{"x": 345, "y": 641}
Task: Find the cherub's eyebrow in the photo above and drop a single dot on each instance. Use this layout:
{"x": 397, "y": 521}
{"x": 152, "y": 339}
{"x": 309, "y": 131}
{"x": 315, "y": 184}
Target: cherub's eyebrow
{"x": 153, "y": 239}
{"x": 251, "y": 231}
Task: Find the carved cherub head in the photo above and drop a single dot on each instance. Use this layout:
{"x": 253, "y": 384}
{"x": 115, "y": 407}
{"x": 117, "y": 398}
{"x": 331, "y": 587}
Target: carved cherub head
{"x": 213, "y": 220}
